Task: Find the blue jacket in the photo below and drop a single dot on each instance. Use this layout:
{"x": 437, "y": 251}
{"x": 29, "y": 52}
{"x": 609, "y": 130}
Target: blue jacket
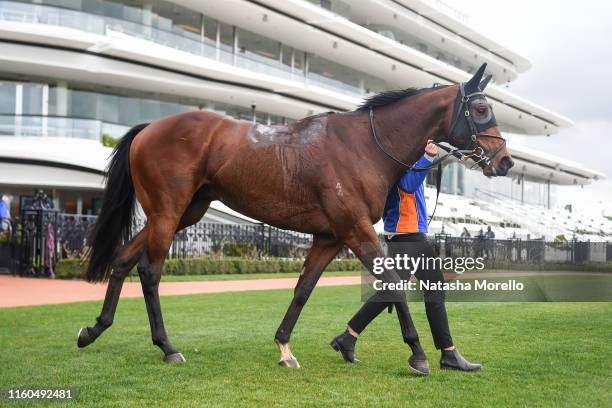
{"x": 3, "y": 210}
{"x": 405, "y": 209}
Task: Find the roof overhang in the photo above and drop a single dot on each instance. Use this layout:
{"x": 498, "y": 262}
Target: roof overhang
{"x": 545, "y": 167}
{"x": 432, "y": 10}
{"x": 52, "y": 162}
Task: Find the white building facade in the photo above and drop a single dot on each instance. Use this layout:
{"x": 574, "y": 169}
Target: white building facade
{"x": 74, "y": 73}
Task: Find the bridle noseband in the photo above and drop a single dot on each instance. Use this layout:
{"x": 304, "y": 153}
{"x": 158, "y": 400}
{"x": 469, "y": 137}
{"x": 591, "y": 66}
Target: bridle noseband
{"x": 473, "y": 151}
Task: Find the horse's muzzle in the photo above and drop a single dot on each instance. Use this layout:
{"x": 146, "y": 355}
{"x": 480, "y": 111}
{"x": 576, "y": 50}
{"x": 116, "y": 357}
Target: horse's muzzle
{"x": 503, "y": 166}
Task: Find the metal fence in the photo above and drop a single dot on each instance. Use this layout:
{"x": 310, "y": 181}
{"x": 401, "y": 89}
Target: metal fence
{"x": 525, "y": 251}
{"x": 247, "y": 240}
{"x": 32, "y": 244}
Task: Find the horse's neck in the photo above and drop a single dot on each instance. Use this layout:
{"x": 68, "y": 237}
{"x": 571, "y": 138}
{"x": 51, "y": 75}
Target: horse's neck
{"x": 404, "y": 131}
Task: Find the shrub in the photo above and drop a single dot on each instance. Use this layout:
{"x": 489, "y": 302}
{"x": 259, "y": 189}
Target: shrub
{"x": 109, "y": 141}
{"x": 75, "y": 268}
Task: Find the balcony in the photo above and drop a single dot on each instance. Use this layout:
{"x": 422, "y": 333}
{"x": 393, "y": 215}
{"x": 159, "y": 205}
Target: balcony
{"x": 182, "y": 40}
{"x": 53, "y": 126}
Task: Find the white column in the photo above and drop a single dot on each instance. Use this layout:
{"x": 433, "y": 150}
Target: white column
{"x": 202, "y": 35}
{"x": 79, "y": 207}
{"x": 292, "y": 60}
{"x": 147, "y": 17}
{"x": 18, "y": 108}
{"x": 56, "y": 199}
{"x": 45, "y": 109}
{"x": 218, "y": 39}
{"x": 234, "y": 44}
{"x": 61, "y": 101}
{"x": 280, "y": 52}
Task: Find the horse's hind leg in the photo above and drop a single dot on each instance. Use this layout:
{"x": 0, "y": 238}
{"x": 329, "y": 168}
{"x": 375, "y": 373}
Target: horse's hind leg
{"x": 150, "y": 269}
{"x": 363, "y": 241}
{"x": 323, "y": 250}
{"x": 124, "y": 262}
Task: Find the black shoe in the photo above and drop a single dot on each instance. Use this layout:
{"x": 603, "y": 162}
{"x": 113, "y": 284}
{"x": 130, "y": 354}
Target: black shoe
{"x": 453, "y": 360}
{"x": 345, "y": 344}
{"x": 419, "y": 364}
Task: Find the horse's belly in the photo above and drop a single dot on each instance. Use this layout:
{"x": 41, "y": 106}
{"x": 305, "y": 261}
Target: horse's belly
{"x": 273, "y": 207}
{"x": 273, "y": 184}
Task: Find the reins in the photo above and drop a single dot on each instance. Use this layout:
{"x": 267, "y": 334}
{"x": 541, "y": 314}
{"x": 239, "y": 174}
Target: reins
{"x": 477, "y": 153}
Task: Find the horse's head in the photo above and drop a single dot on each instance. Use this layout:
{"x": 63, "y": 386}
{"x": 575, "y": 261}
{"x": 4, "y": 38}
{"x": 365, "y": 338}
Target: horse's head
{"x": 473, "y": 127}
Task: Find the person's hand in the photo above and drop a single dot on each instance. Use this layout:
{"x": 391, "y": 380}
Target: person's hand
{"x": 431, "y": 149}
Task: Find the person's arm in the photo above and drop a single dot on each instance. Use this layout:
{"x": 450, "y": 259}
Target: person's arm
{"x": 411, "y": 180}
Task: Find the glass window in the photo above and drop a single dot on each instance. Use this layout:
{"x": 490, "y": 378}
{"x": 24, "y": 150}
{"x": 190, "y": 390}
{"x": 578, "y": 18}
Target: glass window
{"x": 129, "y": 111}
{"x": 82, "y": 104}
{"x": 7, "y": 98}
{"x": 332, "y": 70}
{"x": 227, "y": 34}
{"x": 32, "y": 99}
{"x": 210, "y": 29}
{"x": 109, "y": 107}
{"x": 149, "y": 110}
{"x": 250, "y": 42}
{"x": 172, "y": 17}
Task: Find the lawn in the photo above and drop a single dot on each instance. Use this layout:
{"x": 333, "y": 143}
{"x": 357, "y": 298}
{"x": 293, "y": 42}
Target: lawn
{"x": 534, "y": 354}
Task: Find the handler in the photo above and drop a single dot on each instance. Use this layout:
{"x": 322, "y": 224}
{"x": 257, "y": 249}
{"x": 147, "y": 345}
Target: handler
{"x": 405, "y": 223}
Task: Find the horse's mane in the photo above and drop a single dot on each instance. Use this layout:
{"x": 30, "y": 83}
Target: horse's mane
{"x": 388, "y": 97}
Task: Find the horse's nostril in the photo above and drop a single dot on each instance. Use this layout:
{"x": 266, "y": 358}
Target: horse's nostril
{"x": 506, "y": 163}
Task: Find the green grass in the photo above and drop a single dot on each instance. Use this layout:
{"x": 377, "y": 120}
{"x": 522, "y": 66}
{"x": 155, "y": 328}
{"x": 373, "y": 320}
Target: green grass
{"x": 247, "y": 276}
{"x": 534, "y": 354}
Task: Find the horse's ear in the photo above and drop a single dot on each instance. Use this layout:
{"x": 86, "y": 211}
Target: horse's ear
{"x": 485, "y": 82}
{"x": 472, "y": 84}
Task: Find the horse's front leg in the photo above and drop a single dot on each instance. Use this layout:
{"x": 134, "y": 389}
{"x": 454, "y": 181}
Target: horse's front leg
{"x": 323, "y": 250}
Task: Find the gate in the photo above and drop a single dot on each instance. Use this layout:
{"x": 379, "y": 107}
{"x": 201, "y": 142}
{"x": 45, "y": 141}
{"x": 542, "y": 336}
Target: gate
{"x": 38, "y": 237}
{"x": 8, "y": 247}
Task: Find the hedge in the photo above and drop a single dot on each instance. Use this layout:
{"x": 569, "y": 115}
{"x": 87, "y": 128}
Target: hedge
{"x": 74, "y": 268}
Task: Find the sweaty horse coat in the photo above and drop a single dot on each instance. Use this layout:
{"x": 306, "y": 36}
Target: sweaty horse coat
{"x": 322, "y": 175}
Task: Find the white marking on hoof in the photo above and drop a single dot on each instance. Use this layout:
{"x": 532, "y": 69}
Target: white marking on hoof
{"x": 292, "y": 363}
{"x": 175, "y": 358}
{"x": 83, "y": 342}
{"x": 79, "y": 334}
{"x": 287, "y": 359}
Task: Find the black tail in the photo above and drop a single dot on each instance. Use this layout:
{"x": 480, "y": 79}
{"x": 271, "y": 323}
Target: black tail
{"x": 114, "y": 224}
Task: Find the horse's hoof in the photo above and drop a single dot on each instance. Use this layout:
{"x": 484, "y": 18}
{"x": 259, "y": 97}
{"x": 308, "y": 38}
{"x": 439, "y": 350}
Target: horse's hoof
{"x": 84, "y": 339}
{"x": 291, "y": 363}
{"x": 175, "y": 358}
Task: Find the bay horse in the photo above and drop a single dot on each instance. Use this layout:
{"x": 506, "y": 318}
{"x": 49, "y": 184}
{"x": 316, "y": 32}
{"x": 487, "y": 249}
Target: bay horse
{"x": 327, "y": 175}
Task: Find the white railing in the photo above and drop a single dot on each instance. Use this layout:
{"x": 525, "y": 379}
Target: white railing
{"x": 50, "y": 126}
{"x": 37, "y": 14}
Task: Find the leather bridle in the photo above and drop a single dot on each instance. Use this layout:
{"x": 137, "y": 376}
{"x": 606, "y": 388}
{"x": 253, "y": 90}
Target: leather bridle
{"x": 473, "y": 150}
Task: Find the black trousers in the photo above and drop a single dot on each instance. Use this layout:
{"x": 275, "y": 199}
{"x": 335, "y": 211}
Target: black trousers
{"x": 413, "y": 245}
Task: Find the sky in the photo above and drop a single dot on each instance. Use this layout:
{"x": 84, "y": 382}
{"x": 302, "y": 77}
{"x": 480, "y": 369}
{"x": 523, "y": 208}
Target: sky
{"x": 569, "y": 45}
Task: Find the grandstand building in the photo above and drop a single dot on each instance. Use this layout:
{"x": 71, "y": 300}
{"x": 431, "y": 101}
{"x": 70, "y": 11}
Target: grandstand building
{"x": 75, "y": 74}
